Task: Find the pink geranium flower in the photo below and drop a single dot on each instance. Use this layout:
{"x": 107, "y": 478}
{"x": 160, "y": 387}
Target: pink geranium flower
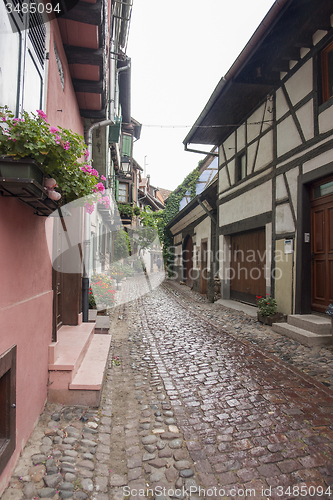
{"x": 41, "y": 114}
{"x": 100, "y": 187}
{"x": 53, "y": 130}
{"x": 66, "y": 145}
{"x": 103, "y": 178}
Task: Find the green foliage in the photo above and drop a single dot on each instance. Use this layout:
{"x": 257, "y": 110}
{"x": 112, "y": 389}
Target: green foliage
{"x": 58, "y": 150}
{"x": 125, "y": 209}
{"x": 122, "y": 247}
{"x": 151, "y": 227}
{"x": 92, "y": 302}
{"x": 267, "y": 306}
{"x": 172, "y": 209}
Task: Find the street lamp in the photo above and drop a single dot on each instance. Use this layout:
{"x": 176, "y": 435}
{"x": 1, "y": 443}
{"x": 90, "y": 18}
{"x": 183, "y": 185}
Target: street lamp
{"x": 125, "y": 165}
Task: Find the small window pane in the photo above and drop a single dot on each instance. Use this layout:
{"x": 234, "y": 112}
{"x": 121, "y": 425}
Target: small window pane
{"x": 323, "y": 190}
{"x": 123, "y": 193}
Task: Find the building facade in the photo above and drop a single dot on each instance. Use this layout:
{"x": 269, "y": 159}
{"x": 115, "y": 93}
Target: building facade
{"x": 271, "y": 116}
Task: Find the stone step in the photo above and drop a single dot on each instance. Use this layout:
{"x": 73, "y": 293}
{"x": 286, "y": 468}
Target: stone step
{"x": 320, "y": 325}
{"x": 102, "y": 324}
{"x": 302, "y": 336}
{"x": 87, "y": 384}
{"x": 92, "y": 315}
{"x": 72, "y": 343}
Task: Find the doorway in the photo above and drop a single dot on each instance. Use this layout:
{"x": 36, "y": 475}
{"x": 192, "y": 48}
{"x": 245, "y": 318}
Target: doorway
{"x": 321, "y": 244}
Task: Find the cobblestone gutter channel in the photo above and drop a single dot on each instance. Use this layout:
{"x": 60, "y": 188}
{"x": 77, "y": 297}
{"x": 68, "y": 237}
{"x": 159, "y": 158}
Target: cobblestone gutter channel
{"x": 185, "y": 405}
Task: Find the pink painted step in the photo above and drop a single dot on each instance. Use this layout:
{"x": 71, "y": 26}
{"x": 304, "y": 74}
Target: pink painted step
{"x": 77, "y": 365}
{"x": 90, "y": 375}
{"x": 71, "y": 346}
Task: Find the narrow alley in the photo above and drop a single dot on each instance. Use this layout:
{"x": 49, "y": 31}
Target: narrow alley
{"x": 189, "y": 410}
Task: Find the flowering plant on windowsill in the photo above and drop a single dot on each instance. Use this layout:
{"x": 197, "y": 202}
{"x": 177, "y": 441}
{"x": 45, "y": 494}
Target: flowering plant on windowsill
{"x": 61, "y": 153}
{"x": 267, "y": 306}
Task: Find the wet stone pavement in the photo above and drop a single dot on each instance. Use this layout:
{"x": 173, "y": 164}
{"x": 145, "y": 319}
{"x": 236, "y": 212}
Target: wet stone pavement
{"x": 190, "y": 408}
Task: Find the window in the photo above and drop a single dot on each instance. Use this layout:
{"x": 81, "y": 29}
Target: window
{"x": 327, "y": 72}
{"x": 123, "y": 192}
{"x": 240, "y": 170}
{"x": 7, "y": 405}
{"x": 23, "y": 57}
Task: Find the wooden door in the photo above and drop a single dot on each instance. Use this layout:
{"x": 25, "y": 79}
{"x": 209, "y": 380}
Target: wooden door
{"x": 203, "y": 268}
{"x": 188, "y": 261}
{"x": 247, "y": 266}
{"x": 322, "y": 246}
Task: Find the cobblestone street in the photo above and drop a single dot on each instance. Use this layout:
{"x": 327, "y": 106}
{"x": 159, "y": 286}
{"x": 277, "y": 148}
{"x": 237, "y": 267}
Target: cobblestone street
{"x": 190, "y": 408}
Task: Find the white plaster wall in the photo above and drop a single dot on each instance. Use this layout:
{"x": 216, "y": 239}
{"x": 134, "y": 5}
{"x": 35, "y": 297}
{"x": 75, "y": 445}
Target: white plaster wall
{"x": 254, "y": 202}
{"x": 305, "y": 118}
{"x": 265, "y": 151}
{"x": 188, "y": 219}
{"x": 241, "y": 137}
{"x": 251, "y": 151}
{"x": 229, "y": 146}
{"x": 318, "y": 161}
{"x": 231, "y": 168}
{"x": 281, "y": 190}
{"x": 292, "y": 179}
{"x": 224, "y": 265}
{"x": 177, "y": 239}
{"x": 222, "y": 157}
{"x": 203, "y": 231}
{"x": 223, "y": 180}
{"x": 281, "y": 104}
{"x": 300, "y": 84}
{"x": 283, "y": 219}
{"x": 326, "y": 120}
{"x": 254, "y": 123}
{"x": 287, "y": 136}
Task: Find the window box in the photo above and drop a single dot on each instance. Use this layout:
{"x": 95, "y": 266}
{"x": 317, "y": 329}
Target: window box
{"x": 24, "y": 179}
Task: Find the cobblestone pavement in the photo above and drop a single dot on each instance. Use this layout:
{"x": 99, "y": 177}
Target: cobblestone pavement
{"x": 189, "y": 410}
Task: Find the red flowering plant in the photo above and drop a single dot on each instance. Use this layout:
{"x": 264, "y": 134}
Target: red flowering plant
{"x": 61, "y": 153}
{"x": 267, "y": 306}
{"x": 102, "y": 288}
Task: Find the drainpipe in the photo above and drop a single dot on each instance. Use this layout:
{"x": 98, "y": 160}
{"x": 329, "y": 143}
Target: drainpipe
{"x": 86, "y": 241}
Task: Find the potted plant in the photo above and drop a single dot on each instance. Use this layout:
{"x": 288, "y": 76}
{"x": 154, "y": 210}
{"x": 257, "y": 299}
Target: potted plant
{"x": 267, "y": 311}
{"x": 103, "y": 290}
{"x": 29, "y": 146}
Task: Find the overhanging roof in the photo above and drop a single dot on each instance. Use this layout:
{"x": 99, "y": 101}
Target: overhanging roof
{"x": 288, "y": 26}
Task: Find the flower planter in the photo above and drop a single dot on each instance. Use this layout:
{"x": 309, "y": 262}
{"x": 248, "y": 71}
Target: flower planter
{"x": 274, "y": 318}
{"x": 23, "y": 179}
{"x": 23, "y": 168}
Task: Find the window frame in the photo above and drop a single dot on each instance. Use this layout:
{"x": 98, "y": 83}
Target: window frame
{"x": 8, "y": 404}
{"x": 238, "y": 167}
{"x": 119, "y": 195}
{"x": 324, "y": 73}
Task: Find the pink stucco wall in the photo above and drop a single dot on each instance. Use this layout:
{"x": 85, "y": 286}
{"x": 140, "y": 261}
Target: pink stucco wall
{"x": 26, "y": 297}
{"x": 57, "y": 97}
{"x": 25, "y": 312}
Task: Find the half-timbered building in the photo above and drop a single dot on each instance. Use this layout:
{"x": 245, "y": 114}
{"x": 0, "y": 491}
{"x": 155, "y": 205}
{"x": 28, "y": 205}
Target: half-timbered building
{"x": 272, "y": 118}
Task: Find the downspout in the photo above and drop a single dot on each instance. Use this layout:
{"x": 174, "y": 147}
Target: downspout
{"x": 86, "y": 241}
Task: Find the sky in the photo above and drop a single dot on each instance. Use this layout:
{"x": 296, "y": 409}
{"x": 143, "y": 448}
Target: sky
{"x": 179, "y": 50}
